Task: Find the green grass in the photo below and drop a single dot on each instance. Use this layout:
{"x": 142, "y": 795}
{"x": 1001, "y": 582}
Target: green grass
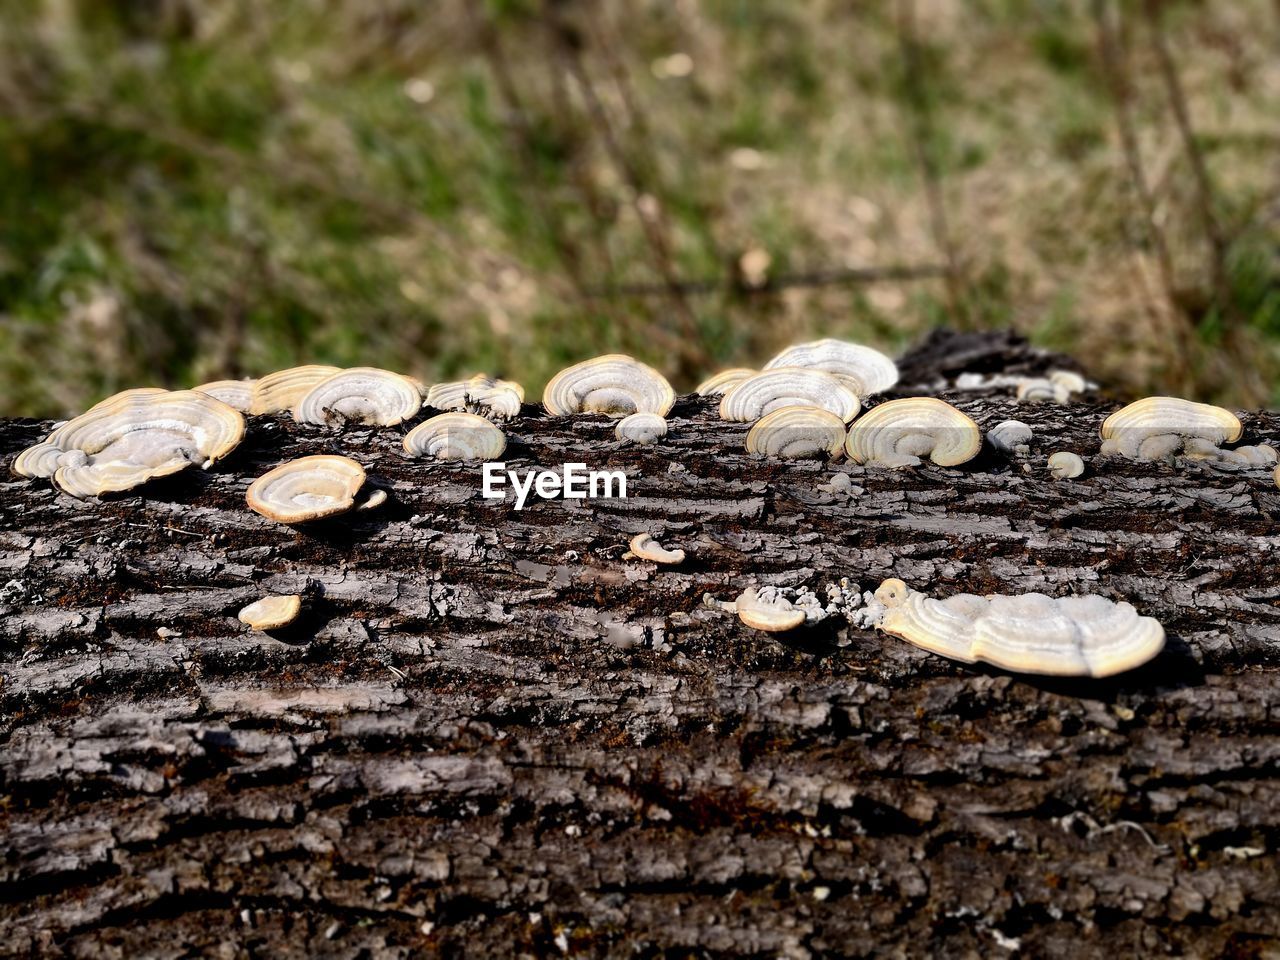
{"x": 191, "y": 191}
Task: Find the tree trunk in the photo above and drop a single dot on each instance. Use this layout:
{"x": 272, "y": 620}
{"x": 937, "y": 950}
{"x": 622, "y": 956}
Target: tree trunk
{"x": 495, "y": 735}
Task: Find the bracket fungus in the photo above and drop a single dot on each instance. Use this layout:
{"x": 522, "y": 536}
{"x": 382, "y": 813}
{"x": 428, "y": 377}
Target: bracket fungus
{"x": 1030, "y": 633}
{"x": 237, "y": 394}
{"x": 644, "y": 547}
{"x": 772, "y": 615}
{"x": 614, "y": 384}
{"x": 456, "y": 436}
{"x": 770, "y": 390}
{"x": 366, "y": 395}
{"x": 481, "y": 393}
{"x": 283, "y": 389}
{"x": 306, "y": 489}
{"x": 134, "y": 437}
{"x": 1069, "y": 380}
{"x": 862, "y": 369}
{"x": 1065, "y": 465}
{"x": 272, "y": 612}
{"x": 1041, "y": 390}
{"x": 1010, "y": 436}
{"x": 1158, "y": 427}
{"x": 899, "y": 433}
{"x": 641, "y": 428}
{"x": 795, "y": 432}
{"x": 721, "y": 383}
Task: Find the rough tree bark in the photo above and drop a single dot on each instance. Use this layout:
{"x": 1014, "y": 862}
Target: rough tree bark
{"x": 494, "y": 735}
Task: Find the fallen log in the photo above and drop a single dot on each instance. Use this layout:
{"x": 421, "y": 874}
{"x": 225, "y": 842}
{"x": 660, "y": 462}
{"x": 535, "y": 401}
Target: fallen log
{"x": 493, "y": 732}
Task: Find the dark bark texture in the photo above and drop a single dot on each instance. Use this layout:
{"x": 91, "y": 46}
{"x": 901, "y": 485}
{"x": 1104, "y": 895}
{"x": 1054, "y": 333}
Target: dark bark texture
{"x": 495, "y": 735}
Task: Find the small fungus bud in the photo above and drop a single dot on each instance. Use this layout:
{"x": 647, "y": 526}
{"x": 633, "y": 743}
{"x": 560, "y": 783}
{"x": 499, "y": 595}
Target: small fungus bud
{"x": 778, "y": 387}
{"x": 645, "y": 547}
{"x": 1065, "y": 465}
{"x": 642, "y": 428}
{"x": 272, "y": 612}
{"x": 1010, "y": 436}
{"x": 899, "y": 433}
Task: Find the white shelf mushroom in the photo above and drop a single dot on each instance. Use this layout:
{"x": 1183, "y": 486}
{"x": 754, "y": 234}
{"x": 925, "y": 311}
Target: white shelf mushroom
{"x": 366, "y": 395}
{"x": 1010, "y": 436}
{"x": 614, "y": 384}
{"x": 456, "y": 436}
{"x": 272, "y": 612}
{"x": 283, "y": 389}
{"x": 134, "y": 437}
{"x": 1158, "y": 427}
{"x": 306, "y": 489}
{"x": 645, "y": 547}
{"x": 641, "y": 428}
{"x": 1041, "y": 390}
{"x": 1069, "y": 380}
{"x": 237, "y": 394}
{"x": 901, "y": 432}
{"x": 721, "y": 383}
{"x": 38, "y": 461}
{"x": 864, "y": 370}
{"x": 795, "y": 432}
{"x": 770, "y": 390}
{"x": 1065, "y": 465}
{"x": 772, "y": 615}
{"x": 481, "y": 393}
{"x": 1031, "y": 633}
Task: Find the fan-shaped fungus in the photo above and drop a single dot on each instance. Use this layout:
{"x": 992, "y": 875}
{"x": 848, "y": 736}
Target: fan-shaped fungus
{"x": 1069, "y": 380}
{"x": 307, "y": 489}
{"x": 645, "y": 547}
{"x": 272, "y": 612}
{"x": 135, "y": 437}
{"x": 862, "y": 369}
{"x": 361, "y": 395}
{"x": 237, "y": 394}
{"x": 1030, "y": 633}
{"x": 1157, "y": 427}
{"x": 1039, "y": 390}
{"x": 641, "y": 428}
{"x": 455, "y": 436}
{"x": 283, "y": 389}
{"x": 1010, "y": 436}
{"x": 770, "y": 390}
{"x": 614, "y": 384}
{"x": 500, "y": 399}
{"x": 899, "y": 433}
{"x": 775, "y": 615}
{"x": 794, "y": 432}
{"x": 721, "y": 383}
{"x": 38, "y": 461}
{"x": 1065, "y": 465}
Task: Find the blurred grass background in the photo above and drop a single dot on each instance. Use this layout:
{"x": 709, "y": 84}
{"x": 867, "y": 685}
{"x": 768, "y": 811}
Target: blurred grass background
{"x": 192, "y": 190}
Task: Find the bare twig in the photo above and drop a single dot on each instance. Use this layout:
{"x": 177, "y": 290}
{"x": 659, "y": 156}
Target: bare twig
{"x": 921, "y": 127}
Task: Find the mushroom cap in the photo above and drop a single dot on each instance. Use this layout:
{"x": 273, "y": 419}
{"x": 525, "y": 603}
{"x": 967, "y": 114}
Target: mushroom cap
{"x": 863, "y": 369}
{"x": 1065, "y": 465}
{"x": 641, "y": 428}
{"x": 367, "y": 395}
{"x": 778, "y": 387}
{"x": 1069, "y": 380}
{"x": 456, "y": 436}
{"x": 795, "y": 432}
{"x": 1261, "y": 455}
{"x": 284, "y": 388}
{"x": 899, "y": 432}
{"x": 1155, "y": 427}
{"x": 306, "y": 489}
{"x": 1007, "y": 435}
{"x": 38, "y": 461}
{"x": 108, "y": 402}
{"x": 501, "y": 398}
{"x": 237, "y": 394}
{"x": 647, "y": 548}
{"x": 1030, "y": 633}
{"x": 272, "y": 612}
{"x": 137, "y": 436}
{"x": 771, "y": 616}
{"x": 615, "y": 384}
{"x": 721, "y": 383}
{"x": 1041, "y": 390}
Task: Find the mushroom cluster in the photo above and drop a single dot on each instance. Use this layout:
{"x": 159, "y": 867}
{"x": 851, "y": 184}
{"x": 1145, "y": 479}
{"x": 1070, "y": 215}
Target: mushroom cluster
{"x": 1030, "y": 633}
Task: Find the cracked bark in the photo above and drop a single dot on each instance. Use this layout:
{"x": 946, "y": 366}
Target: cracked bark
{"x": 493, "y": 735}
